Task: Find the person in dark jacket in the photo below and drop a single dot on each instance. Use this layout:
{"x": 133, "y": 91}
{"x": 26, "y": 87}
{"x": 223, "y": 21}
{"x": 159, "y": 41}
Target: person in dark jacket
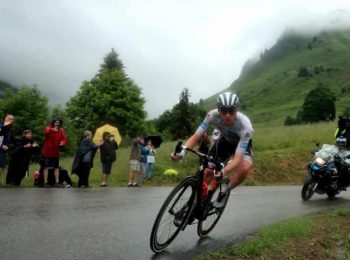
{"x": 108, "y": 156}
{"x": 83, "y": 159}
{"x": 20, "y": 158}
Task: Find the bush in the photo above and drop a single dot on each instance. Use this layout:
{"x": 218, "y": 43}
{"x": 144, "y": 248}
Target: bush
{"x": 290, "y": 121}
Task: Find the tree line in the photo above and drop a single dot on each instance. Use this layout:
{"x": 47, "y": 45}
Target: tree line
{"x": 110, "y": 96}
{"x": 319, "y": 105}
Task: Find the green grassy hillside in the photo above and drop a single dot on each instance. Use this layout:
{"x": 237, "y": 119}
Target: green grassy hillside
{"x": 270, "y": 90}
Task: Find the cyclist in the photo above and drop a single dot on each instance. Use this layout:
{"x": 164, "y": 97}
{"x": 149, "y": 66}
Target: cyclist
{"x": 234, "y": 146}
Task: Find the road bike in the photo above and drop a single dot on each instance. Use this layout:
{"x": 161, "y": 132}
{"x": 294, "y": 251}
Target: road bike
{"x": 189, "y": 203}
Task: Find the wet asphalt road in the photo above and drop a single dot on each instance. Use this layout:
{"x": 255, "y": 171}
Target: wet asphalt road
{"x": 115, "y": 223}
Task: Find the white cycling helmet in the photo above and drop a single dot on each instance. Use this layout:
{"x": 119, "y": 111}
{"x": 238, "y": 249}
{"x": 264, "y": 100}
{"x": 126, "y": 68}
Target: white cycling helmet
{"x": 227, "y": 101}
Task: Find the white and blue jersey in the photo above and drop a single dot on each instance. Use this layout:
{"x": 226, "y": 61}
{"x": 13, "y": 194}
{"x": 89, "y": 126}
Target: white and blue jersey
{"x": 241, "y": 131}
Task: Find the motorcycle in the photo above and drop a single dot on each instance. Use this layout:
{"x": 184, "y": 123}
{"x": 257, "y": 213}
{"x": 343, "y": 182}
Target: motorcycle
{"x": 328, "y": 173}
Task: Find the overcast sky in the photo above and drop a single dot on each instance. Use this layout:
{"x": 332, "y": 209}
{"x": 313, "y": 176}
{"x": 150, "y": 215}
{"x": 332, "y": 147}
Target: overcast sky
{"x": 164, "y": 45}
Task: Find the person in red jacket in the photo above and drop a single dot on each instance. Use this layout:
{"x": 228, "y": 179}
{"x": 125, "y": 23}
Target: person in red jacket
{"x": 55, "y": 139}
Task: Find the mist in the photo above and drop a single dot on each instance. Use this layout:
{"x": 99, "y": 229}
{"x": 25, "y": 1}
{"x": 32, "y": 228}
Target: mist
{"x": 165, "y": 46}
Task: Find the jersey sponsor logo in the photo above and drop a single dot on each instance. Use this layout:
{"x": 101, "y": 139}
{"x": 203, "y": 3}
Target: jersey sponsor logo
{"x": 244, "y": 145}
{"x": 203, "y": 125}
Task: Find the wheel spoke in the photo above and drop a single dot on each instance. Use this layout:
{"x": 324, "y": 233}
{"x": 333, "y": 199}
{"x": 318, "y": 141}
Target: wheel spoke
{"x": 213, "y": 214}
{"x": 172, "y": 215}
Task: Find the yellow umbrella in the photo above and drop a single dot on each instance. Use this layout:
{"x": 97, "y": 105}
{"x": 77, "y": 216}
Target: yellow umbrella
{"x": 107, "y": 128}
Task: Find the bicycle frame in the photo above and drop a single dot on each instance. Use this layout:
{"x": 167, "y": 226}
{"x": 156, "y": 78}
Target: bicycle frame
{"x": 199, "y": 204}
{"x": 186, "y": 202}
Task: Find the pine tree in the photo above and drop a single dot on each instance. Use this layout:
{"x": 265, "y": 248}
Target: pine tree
{"x": 109, "y": 97}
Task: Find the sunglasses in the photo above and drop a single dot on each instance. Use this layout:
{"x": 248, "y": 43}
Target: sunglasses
{"x": 224, "y": 111}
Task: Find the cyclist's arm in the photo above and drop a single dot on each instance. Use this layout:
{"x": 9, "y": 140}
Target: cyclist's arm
{"x": 203, "y": 127}
{"x": 193, "y": 140}
{"x": 190, "y": 143}
{"x": 196, "y": 137}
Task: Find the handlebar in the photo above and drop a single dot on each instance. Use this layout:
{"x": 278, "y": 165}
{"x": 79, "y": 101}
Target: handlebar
{"x": 179, "y": 147}
{"x": 207, "y": 160}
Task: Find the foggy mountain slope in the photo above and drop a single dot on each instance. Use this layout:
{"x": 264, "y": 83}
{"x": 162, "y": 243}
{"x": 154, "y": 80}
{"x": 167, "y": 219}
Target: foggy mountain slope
{"x": 4, "y": 86}
{"x": 270, "y": 90}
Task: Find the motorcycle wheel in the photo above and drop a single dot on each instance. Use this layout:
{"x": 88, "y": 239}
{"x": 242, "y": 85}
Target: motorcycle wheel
{"x": 308, "y": 189}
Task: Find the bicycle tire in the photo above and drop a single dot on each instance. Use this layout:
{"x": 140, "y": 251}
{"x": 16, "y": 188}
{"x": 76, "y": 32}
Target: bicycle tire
{"x": 176, "y": 216}
{"x": 213, "y": 214}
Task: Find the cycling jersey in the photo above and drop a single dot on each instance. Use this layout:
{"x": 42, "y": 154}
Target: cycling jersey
{"x": 241, "y": 131}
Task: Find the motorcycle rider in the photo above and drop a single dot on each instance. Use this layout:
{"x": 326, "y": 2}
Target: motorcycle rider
{"x": 234, "y": 143}
{"x": 344, "y": 153}
{"x": 343, "y": 129}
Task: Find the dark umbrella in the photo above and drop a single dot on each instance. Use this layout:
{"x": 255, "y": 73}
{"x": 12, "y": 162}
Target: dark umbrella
{"x": 155, "y": 139}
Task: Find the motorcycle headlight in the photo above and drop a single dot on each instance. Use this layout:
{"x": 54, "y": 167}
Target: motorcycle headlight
{"x": 320, "y": 162}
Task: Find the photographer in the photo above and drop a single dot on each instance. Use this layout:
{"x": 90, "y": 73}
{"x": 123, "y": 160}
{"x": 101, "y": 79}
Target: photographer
{"x": 134, "y": 160}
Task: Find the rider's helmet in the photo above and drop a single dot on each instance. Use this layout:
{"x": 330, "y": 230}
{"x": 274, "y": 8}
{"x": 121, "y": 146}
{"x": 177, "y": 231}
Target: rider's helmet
{"x": 341, "y": 141}
{"x": 227, "y": 101}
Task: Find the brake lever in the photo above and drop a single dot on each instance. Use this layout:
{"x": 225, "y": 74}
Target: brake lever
{"x": 178, "y": 147}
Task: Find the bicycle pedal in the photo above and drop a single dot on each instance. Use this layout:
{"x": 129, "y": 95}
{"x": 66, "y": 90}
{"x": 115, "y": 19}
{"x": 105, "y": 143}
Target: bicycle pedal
{"x": 177, "y": 222}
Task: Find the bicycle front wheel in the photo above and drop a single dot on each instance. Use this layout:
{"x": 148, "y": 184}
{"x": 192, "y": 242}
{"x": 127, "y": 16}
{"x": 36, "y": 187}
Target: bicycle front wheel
{"x": 213, "y": 214}
{"x": 173, "y": 214}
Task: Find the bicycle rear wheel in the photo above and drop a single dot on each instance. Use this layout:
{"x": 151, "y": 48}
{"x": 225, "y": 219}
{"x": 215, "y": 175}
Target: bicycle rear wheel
{"x": 173, "y": 214}
{"x": 212, "y": 213}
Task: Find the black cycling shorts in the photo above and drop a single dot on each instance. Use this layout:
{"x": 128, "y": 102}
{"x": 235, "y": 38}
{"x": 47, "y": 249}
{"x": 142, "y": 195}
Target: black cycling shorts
{"x": 222, "y": 150}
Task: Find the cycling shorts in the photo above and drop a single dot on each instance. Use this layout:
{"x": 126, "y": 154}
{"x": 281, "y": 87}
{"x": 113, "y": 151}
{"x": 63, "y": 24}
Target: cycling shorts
{"x": 222, "y": 150}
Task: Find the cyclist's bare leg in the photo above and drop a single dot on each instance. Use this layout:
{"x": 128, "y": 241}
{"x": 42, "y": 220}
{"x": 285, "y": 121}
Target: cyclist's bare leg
{"x": 241, "y": 172}
{"x": 208, "y": 175}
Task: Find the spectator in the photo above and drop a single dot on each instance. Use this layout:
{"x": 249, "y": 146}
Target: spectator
{"x": 83, "y": 159}
{"x": 20, "y": 158}
{"x": 54, "y": 140}
{"x": 5, "y": 136}
{"x": 108, "y": 156}
{"x": 134, "y": 160}
{"x": 150, "y": 159}
{"x": 143, "y": 160}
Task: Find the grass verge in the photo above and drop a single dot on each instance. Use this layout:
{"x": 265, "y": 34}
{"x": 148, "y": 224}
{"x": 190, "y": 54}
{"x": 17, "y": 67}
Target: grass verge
{"x": 325, "y": 235}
